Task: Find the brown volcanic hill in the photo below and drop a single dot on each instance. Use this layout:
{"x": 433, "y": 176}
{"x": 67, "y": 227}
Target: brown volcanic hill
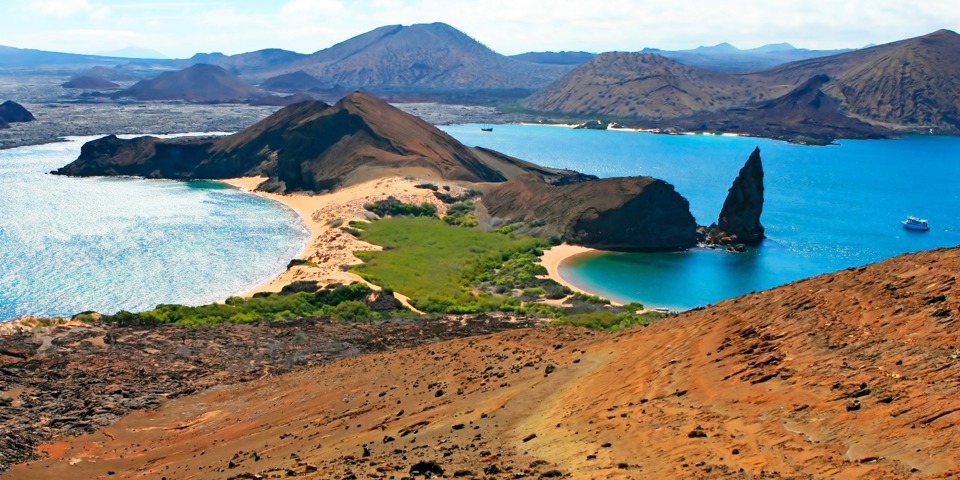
{"x": 912, "y": 82}
{"x": 306, "y": 146}
{"x": 298, "y": 81}
{"x": 640, "y": 85}
{"x": 804, "y": 115}
{"x": 423, "y": 56}
{"x": 89, "y": 83}
{"x": 199, "y": 83}
{"x": 907, "y": 84}
{"x": 11, "y": 112}
{"x": 848, "y": 375}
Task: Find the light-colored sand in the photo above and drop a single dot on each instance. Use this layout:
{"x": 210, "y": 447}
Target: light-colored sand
{"x": 330, "y": 249}
{"x": 555, "y": 256}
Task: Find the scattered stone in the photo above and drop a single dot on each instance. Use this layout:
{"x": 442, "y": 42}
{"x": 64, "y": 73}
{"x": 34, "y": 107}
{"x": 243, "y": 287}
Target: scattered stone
{"x": 529, "y": 437}
{"x": 425, "y": 467}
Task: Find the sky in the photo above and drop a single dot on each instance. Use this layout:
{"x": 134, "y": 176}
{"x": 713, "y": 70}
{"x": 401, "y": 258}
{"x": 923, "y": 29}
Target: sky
{"x": 180, "y": 28}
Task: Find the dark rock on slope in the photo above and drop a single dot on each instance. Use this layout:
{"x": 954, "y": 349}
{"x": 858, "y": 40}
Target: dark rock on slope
{"x": 199, "y": 83}
{"x": 12, "y": 112}
{"x": 739, "y": 221}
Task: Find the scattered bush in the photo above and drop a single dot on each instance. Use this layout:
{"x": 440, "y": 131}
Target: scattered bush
{"x": 395, "y": 208}
{"x": 298, "y": 300}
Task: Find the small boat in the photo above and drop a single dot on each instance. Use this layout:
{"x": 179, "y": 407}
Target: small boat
{"x": 486, "y": 129}
{"x": 914, "y": 223}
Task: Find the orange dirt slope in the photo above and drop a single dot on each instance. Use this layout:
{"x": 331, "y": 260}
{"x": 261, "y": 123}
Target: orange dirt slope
{"x": 847, "y": 375}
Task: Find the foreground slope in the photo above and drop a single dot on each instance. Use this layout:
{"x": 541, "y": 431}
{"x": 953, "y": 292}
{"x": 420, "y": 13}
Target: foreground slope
{"x": 845, "y": 375}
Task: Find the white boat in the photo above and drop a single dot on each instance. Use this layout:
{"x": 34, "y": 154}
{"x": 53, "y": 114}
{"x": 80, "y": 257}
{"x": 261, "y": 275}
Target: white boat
{"x": 914, "y": 223}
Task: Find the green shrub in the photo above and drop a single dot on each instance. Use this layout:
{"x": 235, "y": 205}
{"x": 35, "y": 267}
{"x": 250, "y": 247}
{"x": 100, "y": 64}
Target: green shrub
{"x": 607, "y": 320}
{"x": 395, "y": 208}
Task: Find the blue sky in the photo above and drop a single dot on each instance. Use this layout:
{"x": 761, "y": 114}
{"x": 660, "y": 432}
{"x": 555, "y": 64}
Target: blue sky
{"x": 180, "y": 28}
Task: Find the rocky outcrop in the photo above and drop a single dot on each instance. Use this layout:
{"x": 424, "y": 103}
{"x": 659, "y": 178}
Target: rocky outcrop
{"x": 739, "y": 221}
{"x": 631, "y": 213}
{"x": 12, "y": 112}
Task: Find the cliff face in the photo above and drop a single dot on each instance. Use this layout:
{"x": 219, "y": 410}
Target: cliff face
{"x": 632, "y": 213}
{"x": 739, "y": 221}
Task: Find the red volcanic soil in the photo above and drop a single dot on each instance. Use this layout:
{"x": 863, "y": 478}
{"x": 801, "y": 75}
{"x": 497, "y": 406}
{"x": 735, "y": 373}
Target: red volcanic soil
{"x": 848, "y": 375}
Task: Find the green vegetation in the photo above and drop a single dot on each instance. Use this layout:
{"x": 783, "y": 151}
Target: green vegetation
{"x": 393, "y": 207}
{"x": 436, "y": 265}
{"x": 300, "y": 261}
{"x": 463, "y": 270}
{"x": 297, "y": 300}
{"x": 608, "y": 320}
{"x": 459, "y": 215}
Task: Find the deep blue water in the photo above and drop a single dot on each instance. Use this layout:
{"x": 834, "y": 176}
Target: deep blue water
{"x": 73, "y": 244}
{"x": 826, "y": 208}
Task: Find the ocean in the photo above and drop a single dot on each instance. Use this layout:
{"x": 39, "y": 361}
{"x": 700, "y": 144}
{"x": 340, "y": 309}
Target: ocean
{"x": 825, "y": 209}
{"x": 69, "y": 245}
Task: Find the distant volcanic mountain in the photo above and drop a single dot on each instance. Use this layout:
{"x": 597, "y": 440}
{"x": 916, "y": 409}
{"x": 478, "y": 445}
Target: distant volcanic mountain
{"x": 911, "y": 84}
{"x": 89, "y": 83}
{"x": 12, "y": 112}
{"x": 639, "y": 85}
{"x": 298, "y": 81}
{"x": 199, "y": 83}
{"x": 312, "y": 146}
{"x": 424, "y": 56}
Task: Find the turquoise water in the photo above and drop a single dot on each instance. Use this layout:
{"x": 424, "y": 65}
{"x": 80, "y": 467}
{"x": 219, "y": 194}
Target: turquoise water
{"x": 73, "y": 244}
{"x": 826, "y": 208}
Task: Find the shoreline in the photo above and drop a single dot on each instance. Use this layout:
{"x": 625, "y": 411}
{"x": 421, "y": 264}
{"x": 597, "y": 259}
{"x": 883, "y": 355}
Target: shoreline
{"x": 330, "y": 251}
{"x": 556, "y": 256}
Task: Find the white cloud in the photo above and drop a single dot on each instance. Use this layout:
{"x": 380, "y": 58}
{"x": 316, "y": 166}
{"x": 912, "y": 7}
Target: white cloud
{"x": 183, "y": 27}
{"x": 68, "y": 8}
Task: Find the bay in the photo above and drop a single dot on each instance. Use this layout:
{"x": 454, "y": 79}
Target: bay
{"x": 74, "y": 244}
{"x": 826, "y": 208}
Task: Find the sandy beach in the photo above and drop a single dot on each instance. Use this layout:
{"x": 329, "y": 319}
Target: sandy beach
{"x": 553, "y": 257}
{"x": 331, "y": 250}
